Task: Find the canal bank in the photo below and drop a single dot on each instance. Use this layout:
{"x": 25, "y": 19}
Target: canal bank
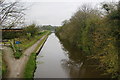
{"x": 31, "y": 64}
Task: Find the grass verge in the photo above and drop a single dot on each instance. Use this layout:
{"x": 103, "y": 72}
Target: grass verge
{"x": 41, "y": 44}
{"x": 30, "y": 67}
{"x": 2, "y": 65}
{"x": 4, "y": 69}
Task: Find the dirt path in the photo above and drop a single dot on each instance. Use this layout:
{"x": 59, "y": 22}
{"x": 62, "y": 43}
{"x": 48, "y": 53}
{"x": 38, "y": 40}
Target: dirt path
{"x": 16, "y": 66}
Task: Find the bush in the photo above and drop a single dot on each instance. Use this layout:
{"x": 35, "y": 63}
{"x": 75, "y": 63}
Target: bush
{"x": 17, "y": 54}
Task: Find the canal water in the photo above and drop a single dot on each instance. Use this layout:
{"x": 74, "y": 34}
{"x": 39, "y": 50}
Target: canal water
{"x": 54, "y": 61}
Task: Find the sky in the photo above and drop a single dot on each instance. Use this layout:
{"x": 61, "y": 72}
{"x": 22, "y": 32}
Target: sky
{"x": 53, "y": 12}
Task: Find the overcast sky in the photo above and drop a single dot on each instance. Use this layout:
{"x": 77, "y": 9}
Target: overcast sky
{"x": 53, "y": 12}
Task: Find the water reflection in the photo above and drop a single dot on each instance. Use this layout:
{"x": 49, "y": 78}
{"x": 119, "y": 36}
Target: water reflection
{"x": 63, "y": 61}
{"x": 78, "y": 66}
{"x": 51, "y": 61}
{"x": 72, "y": 68}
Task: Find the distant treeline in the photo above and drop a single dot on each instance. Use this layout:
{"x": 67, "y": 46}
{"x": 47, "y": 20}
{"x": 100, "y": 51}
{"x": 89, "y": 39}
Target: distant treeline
{"x": 48, "y": 27}
{"x": 97, "y": 33}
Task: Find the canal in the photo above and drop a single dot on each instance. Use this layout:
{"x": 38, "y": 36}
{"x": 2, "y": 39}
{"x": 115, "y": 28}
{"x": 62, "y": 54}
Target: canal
{"x": 54, "y": 61}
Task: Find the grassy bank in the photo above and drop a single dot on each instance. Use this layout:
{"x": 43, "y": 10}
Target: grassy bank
{"x": 4, "y": 69}
{"x": 2, "y": 65}
{"x": 41, "y": 44}
{"x": 31, "y": 64}
{"x": 30, "y": 67}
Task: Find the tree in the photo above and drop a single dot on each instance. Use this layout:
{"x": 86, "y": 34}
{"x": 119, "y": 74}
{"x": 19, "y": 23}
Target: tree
{"x": 11, "y": 14}
{"x": 109, "y": 7}
{"x": 31, "y": 30}
{"x": 65, "y": 22}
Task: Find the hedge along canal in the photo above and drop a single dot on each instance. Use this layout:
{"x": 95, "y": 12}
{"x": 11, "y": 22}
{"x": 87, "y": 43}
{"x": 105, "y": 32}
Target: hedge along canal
{"x": 31, "y": 64}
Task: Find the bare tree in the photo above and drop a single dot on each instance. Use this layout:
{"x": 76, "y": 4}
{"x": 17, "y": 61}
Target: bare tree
{"x": 11, "y": 14}
{"x": 109, "y": 7}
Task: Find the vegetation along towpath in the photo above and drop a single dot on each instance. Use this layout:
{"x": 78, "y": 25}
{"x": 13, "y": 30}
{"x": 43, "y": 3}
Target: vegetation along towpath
{"x": 16, "y": 66}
